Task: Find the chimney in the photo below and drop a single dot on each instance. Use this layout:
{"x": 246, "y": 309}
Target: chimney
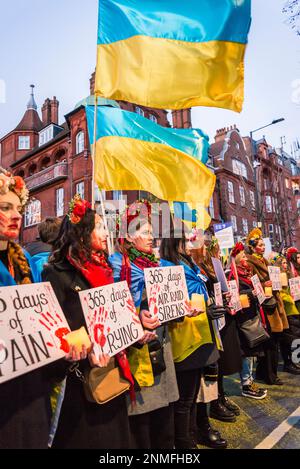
{"x": 182, "y": 119}
{"x": 46, "y": 112}
{"x": 54, "y": 105}
{"x": 92, "y": 83}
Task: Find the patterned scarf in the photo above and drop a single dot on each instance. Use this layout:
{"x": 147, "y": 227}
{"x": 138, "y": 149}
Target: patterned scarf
{"x": 141, "y": 259}
{"x": 98, "y": 272}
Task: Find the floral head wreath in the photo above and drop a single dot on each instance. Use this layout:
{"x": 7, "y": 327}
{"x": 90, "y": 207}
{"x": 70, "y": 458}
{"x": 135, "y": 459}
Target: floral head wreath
{"x": 290, "y": 252}
{"x": 275, "y": 257}
{"x": 78, "y": 208}
{"x": 253, "y": 236}
{"x": 140, "y": 209}
{"x": 212, "y": 245}
{"x": 238, "y": 248}
{"x": 16, "y": 184}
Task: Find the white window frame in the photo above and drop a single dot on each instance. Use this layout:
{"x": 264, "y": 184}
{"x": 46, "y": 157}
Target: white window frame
{"x": 24, "y": 142}
{"x": 153, "y": 118}
{"x": 252, "y": 200}
{"x": 239, "y": 168}
{"x": 80, "y": 189}
{"x": 234, "y": 223}
{"x": 60, "y": 201}
{"x": 33, "y": 213}
{"x": 211, "y": 208}
{"x": 230, "y": 189}
{"x": 79, "y": 142}
{"x": 242, "y": 196}
{"x": 268, "y": 202}
{"x": 245, "y": 226}
{"x": 139, "y": 111}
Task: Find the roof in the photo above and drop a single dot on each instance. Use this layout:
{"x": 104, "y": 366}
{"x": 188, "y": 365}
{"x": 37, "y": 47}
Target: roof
{"x": 30, "y": 121}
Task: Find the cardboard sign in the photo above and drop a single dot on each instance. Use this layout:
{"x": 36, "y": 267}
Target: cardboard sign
{"x": 258, "y": 288}
{"x": 274, "y": 273}
{"x": 218, "y": 294}
{"x": 167, "y": 293}
{"x": 224, "y": 235}
{"x": 220, "y": 274}
{"x": 111, "y": 317}
{"x": 32, "y": 329}
{"x": 295, "y": 288}
{"x": 235, "y": 302}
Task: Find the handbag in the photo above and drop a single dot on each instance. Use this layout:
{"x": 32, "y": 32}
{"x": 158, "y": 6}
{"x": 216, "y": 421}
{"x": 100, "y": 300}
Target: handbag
{"x": 270, "y": 304}
{"x": 253, "y": 332}
{"x": 101, "y": 385}
{"x": 156, "y": 353}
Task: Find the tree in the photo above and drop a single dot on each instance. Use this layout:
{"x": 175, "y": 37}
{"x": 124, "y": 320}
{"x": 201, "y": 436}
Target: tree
{"x": 292, "y": 10}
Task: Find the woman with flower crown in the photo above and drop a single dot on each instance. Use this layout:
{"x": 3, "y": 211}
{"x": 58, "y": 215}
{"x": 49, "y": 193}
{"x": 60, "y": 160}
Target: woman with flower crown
{"x": 152, "y": 419}
{"x": 25, "y": 401}
{"x": 276, "y": 320}
{"x": 79, "y": 262}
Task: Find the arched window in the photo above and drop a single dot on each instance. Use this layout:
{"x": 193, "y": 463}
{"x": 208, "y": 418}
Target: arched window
{"x": 153, "y": 118}
{"x": 32, "y": 169}
{"x": 33, "y": 213}
{"x": 139, "y": 111}
{"x": 45, "y": 163}
{"x": 21, "y": 173}
{"x": 60, "y": 155}
{"x": 79, "y": 142}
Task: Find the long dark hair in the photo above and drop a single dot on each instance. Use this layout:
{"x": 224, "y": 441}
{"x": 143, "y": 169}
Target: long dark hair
{"x": 74, "y": 236}
{"x": 170, "y": 245}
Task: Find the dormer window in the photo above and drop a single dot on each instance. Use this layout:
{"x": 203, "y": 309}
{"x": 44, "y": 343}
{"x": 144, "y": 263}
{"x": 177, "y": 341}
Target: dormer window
{"x": 79, "y": 142}
{"x": 24, "y": 142}
{"x": 46, "y": 135}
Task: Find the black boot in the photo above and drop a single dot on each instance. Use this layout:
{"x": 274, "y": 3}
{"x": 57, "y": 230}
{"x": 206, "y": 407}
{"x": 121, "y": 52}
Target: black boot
{"x": 211, "y": 438}
{"x": 229, "y": 404}
{"x": 183, "y": 437}
{"x": 220, "y": 412}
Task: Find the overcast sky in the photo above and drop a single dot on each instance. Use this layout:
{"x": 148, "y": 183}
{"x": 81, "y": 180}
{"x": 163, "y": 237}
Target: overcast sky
{"x": 52, "y": 43}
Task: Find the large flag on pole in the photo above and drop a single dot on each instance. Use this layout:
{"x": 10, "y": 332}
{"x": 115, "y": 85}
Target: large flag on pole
{"x": 173, "y": 54}
{"x": 134, "y": 153}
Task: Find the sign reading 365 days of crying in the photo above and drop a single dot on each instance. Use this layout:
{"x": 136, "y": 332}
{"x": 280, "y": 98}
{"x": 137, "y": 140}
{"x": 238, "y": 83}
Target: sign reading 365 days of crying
{"x": 111, "y": 317}
{"x": 32, "y": 329}
{"x": 167, "y": 293}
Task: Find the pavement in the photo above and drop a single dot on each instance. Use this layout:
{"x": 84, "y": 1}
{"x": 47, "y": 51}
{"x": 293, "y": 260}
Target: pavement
{"x": 273, "y": 422}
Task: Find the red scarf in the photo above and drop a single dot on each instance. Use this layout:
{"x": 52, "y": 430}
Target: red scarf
{"x": 98, "y": 272}
{"x": 142, "y": 262}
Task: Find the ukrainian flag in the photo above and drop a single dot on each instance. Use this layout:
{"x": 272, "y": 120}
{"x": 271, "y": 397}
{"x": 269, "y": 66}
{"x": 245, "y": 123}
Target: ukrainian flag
{"x": 134, "y": 153}
{"x": 173, "y": 54}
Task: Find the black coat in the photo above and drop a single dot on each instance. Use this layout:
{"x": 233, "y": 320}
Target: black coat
{"x": 83, "y": 424}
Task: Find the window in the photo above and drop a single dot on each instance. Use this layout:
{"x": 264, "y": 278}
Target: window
{"x": 117, "y": 195}
{"x": 139, "y": 111}
{"x": 245, "y": 226}
{"x": 153, "y": 118}
{"x": 252, "y": 200}
{"x": 239, "y": 168}
{"x": 79, "y": 142}
{"x": 271, "y": 232}
{"x": 24, "y": 143}
{"x": 280, "y": 234}
{"x": 268, "y": 204}
{"x": 290, "y": 205}
{"x": 211, "y": 208}
{"x": 255, "y": 224}
{"x": 79, "y": 189}
{"x": 298, "y": 206}
{"x": 287, "y": 183}
{"x": 46, "y": 135}
{"x": 234, "y": 223}
{"x": 242, "y": 196}
{"x": 33, "y": 213}
{"x": 230, "y": 192}
{"x": 265, "y": 184}
{"x": 60, "y": 202}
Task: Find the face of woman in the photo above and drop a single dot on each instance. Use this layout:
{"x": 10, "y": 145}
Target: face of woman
{"x": 244, "y": 260}
{"x": 260, "y": 247}
{"x": 10, "y": 216}
{"x": 298, "y": 259}
{"x": 143, "y": 238}
{"x": 99, "y": 235}
{"x": 284, "y": 264}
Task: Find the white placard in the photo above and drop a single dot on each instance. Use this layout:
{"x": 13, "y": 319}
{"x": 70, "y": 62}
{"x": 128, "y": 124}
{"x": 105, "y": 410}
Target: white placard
{"x": 224, "y": 235}
{"x": 274, "y": 273}
{"x": 295, "y": 288}
{"x": 218, "y": 294}
{"x": 32, "y": 329}
{"x": 167, "y": 293}
{"x": 220, "y": 274}
{"x": 258, "y": 288}
{"x": 235, "y": 302}
{"x": 111, "y": 317}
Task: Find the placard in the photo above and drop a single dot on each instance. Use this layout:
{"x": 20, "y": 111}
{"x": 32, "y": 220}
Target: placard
{"x": 218, "y": 294}
{"x": 274, "y": 273}
{"x": 224, "y": 235}
{"x": 167, "y": 293}
{"x": 111, "y": 317}
{"x": 258, "y": 288}
{"x": 32, "y": 329}
{"x": 220, "y": 274}
{"x": 295, "y": 288}
{"x": 235, "y": 302}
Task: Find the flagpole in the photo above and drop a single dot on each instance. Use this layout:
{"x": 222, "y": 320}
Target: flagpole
{"x": 109, "y": 243}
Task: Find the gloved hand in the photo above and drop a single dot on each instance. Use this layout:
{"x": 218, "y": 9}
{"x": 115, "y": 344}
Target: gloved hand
{"x": 215, "y": 312}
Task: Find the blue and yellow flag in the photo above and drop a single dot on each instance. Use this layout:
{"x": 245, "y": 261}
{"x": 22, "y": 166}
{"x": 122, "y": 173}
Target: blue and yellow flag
{"x": 173, "y": 54}
{"x": 134, "y": 153}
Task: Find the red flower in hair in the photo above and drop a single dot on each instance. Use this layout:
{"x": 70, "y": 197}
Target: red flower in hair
{"x": 290, "y": 252}
{"x": 239, "y": 247}
{"x": 78, "y": 208}
{"x": 19, "y": 183}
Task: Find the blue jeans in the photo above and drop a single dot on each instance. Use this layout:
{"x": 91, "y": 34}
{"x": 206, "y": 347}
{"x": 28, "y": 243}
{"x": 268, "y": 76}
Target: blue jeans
{"x": 247, "y": 371}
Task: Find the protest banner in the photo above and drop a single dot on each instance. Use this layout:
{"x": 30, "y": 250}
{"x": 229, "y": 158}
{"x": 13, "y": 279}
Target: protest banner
{"x": 258, "y": 288}
{"x": 224, "y": 234}
{"x": 235, "y": 302}
{"x": 32, "y": 329}
{"x": 295, "y": 288}
{"x": 220, "y": 274}
{"x": 167, "y": 293}
{"x": 274, "y": 273}
{"x": 111, "y": 317}
{"x": 218, "y": 294}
